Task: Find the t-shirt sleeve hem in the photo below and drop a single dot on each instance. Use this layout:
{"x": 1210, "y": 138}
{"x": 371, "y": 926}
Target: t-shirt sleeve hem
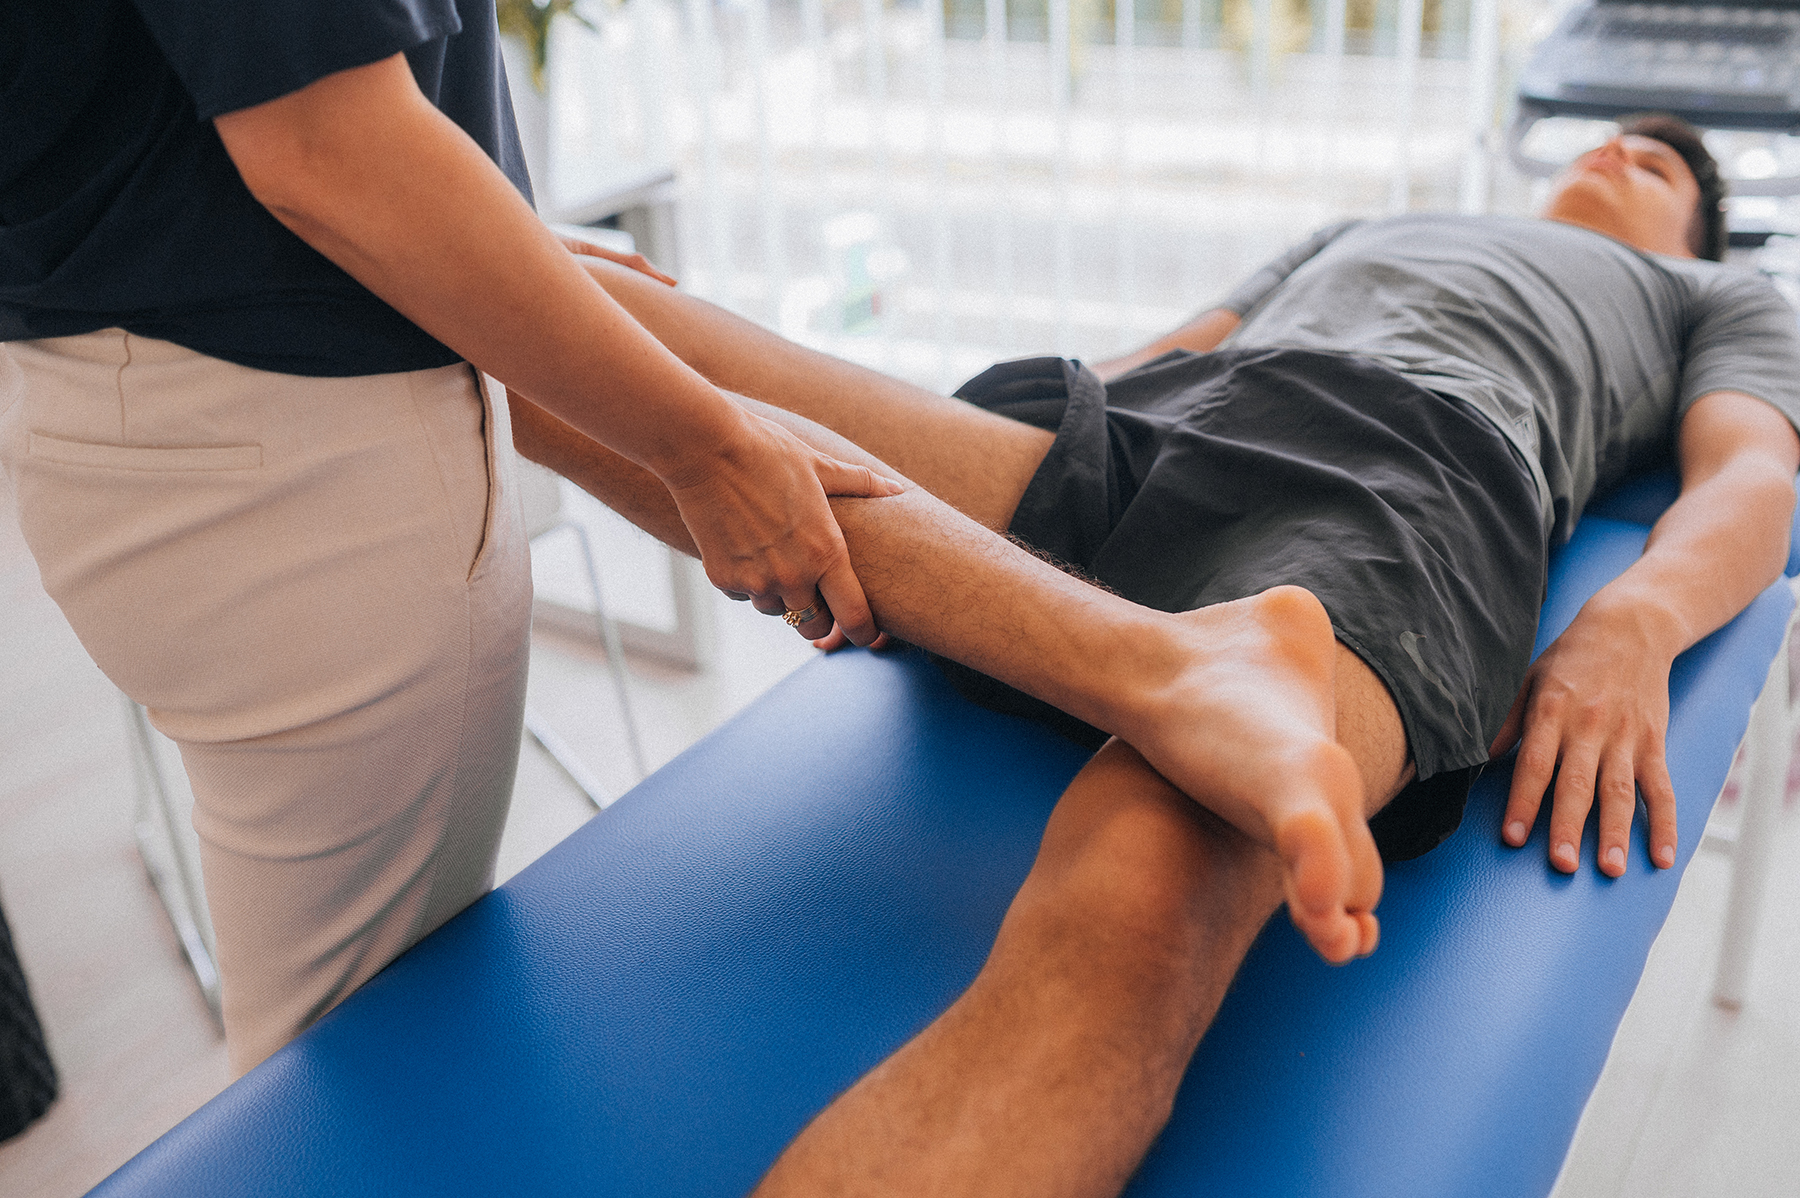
{"x": 1788, "y": 408}
{"x": 360, "y": 55}
{"x": 1746, "y": 342}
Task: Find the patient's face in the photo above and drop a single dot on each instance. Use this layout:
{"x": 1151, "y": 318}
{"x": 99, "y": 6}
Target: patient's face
{"x": 1634, "y": 188}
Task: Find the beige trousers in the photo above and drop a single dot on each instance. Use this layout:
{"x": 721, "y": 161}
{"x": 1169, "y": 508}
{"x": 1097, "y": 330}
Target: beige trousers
{"x": 319, "y": 588}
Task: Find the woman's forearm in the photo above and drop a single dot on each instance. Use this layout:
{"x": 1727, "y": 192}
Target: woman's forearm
{"x": 364, "y": 169}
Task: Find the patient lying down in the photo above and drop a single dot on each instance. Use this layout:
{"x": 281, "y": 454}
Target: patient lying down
{"x": 1320, "y": 514}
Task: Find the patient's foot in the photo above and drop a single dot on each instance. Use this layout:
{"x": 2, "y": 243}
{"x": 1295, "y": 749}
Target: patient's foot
{"x": 1246, "y": 725}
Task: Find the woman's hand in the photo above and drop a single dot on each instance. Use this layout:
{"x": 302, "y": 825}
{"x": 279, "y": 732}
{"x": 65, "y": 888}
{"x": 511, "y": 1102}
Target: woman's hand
{"x": 1594, "y": 710}
{"x": 758, "y": 512}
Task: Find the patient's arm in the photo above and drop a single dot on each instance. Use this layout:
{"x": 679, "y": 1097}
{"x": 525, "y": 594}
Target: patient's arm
{"x": 1596, "y": 704}
{"x": 1200, "y": 335}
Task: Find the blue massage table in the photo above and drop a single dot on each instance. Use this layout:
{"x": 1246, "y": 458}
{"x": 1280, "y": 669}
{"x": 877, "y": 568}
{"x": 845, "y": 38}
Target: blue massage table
{"x": 662, "y": 1001}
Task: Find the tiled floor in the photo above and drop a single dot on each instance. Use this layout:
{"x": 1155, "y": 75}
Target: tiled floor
{"x": 1695, "y": 1102}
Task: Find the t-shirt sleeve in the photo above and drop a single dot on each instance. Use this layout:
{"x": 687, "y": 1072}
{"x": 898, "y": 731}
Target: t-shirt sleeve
{"x": 1259, "y": 286}
{"x": 1747, "y": 339}
{"x": 233, "y": 54}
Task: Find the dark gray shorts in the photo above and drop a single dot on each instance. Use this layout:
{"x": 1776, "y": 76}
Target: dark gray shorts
{"x": 1202, "y": 478}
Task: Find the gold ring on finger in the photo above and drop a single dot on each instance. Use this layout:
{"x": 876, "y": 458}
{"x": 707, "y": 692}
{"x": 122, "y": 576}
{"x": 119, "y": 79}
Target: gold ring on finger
{"x": 796, "y": 618}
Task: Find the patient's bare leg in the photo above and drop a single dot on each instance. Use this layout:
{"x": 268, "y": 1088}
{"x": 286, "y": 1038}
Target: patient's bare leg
{"x": 1054, "y": 1071}
{"x": 1237, "y": 704}
{"x": 1052, "y": 1074}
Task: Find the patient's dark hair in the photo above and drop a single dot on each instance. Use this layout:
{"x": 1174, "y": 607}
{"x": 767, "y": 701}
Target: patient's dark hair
{"x": 1706, "y": 233}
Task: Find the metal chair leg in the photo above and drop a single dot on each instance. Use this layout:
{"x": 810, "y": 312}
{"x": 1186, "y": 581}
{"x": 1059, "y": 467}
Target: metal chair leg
{"x": 615, "y": 650}
{"x": 567, "y": 759}
{"x": 181, "y": 896}
{"x": 1765, "y": 779}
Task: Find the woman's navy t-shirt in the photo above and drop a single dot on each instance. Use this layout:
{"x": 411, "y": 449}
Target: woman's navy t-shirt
{"x": 120, "y": 208}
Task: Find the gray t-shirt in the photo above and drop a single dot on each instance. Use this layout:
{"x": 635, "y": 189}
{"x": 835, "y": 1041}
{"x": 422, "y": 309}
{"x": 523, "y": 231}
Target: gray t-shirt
{"x": 1584, "y": 351}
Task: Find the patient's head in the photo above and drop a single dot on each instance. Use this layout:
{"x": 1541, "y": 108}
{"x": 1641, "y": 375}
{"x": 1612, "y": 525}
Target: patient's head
{"x": 1653, "y": 186}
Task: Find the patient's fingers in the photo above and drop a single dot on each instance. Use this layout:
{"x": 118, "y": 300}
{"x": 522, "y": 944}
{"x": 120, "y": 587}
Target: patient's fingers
{"x": 1659, "y": 798}
{"x": 1532, "y": 771}
{"x": 1618, "y": 803}
{"x": 1574, "y": 795}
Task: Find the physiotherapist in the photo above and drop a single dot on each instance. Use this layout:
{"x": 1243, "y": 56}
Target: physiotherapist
{"x": 254, "y": 257}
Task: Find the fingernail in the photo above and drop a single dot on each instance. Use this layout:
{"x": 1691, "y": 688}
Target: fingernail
{"x": 1615, "y": 857}
{"x": 1515, "y": 832}
{"x": 1565, "y": 853}
{"x": 1665, "y": 856}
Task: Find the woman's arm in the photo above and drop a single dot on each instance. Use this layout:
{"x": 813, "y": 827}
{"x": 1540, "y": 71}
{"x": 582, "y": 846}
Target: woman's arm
{"x": 364, "y": 169}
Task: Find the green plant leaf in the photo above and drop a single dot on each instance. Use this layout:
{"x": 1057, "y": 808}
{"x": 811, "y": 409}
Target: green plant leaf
{"x": 529, "y": 21}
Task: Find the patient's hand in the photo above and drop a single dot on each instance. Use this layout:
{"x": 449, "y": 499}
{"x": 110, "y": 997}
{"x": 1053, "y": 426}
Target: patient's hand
{"x": 636, "y": 262}
{"x": 1594, "y": 710}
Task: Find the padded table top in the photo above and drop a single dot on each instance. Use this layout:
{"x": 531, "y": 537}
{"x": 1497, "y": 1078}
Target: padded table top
{"x": 657, "y": 1005}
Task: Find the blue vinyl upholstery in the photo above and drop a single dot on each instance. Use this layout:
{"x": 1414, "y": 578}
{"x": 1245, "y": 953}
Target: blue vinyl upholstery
{"x": 661, "y": 1002}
